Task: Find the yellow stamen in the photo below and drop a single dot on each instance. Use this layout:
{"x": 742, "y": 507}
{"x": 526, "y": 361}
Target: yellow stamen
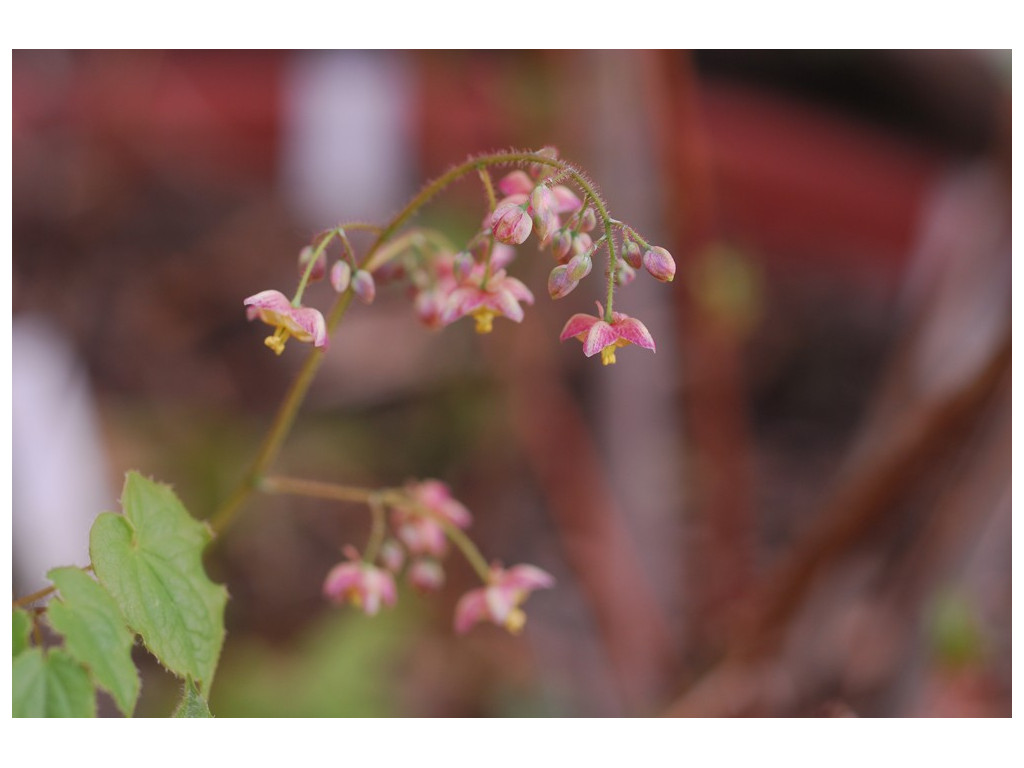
{"x": 608, "y": 355}
{"x": 515, "y": 621}
{"x": 276, "y": 342}
{"x": 484, "y": 319}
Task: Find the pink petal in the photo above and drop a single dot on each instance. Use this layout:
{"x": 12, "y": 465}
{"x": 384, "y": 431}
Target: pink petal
{"x": 500, "y": 602}
{"x": 502, "y": 255}
{"x": 600, "y": 336}
{"x": 471, "y": 608}
{"x": 506, "y": 303}
{"x": 517, "y": 289}
{"x": 312, "y": 322}
{"x": 516, "y": 183}
{"x": 340, "y": 579}
{"x": 632, "y": 330}
{"x": 577, "y": 324}
{"x": 272, "y": 300}
{"x": 527, "y": 577}
{"x": 566, "y": 200}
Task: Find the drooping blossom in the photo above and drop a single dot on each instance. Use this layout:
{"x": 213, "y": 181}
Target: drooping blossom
{"x": 500, "y": 295}
{"x": 500, "y": 599}
{"x": 365, "y": 586}
{"x": 598, "y": 335}
{"x": 302, "y": 323}
{"x": 419, "y": 523}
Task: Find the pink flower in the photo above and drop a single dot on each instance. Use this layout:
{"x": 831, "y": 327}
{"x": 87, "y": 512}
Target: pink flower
{"x": 499, "y": 296}
{"x": 500, "y": 599}
{"x": 510, "y": 222}
{"x": 359, "y": 583}
{"x": 304, "y": 323}
{"x": 418, "y": 525}
{"x": 600, "y": 336}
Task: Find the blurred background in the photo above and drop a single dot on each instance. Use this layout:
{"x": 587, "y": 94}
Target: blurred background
{"x": 799, "y": 506}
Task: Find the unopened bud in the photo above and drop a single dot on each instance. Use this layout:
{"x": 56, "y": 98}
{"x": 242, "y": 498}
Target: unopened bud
{"x": 511, "y": 223}
{"x": 363, "y": 286}
{"x": 625, "y": 274}
{"x": 319, "y": 269}
{"x": 561, "y": 244}
{"x": 341, "y": 275}
{"x": 631, "y": 253}
{"x": 579, "y": 266}
{"x": 581, "y": 243}
{"x": 588, "y": 220}
{"x": 426, "y": 575}
{"x": 559, "y": 282}
{"x": 516, "y": 183}
{"x": 660, "y": 264}
{"x": 392, "y": 555}
{"x": 463, "y": 265}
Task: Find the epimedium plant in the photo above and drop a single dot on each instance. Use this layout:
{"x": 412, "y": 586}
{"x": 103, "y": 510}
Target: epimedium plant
{"x": 146, "y": 579}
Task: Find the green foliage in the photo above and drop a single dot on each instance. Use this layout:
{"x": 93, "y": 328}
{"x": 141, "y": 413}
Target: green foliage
{"x": 95, "y": 634}
{"x": 150, "y": 560}
{"x": 50, "y": 684}
{"x": 192, "y": 702}
{"x": 22, "y": 625}
{"x": 342, "y": 666}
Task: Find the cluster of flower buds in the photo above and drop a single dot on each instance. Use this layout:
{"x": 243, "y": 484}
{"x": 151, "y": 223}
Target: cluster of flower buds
{"x": 421, "y": 522}
{"x": 474, "y": 282}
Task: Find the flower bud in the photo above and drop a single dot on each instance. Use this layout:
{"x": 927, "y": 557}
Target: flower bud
{"x": 625, "y": 274}
{"x": 426, "y": 575}
{"x": 463, "y": 265}
{"x": 516, "y": 183}
{"x": 589, "y": 220}
{"x": 363, "y": 286}
{"x": 579, "y": 266}
{"x": 511, "y": 223}
{"x": 631, "y": 253}
{"x": 561, "y": 244}
{"x": 319, "y": 269}
{"x": 542, "y": 200}
{"x": 341, "y": 275}
{"x": 660, "y": 264}
{"x": 560, "y": 283}
{"x": 565, "y": 199}
{"x": 581, "y": 243}
{"x": 392, "y": 555}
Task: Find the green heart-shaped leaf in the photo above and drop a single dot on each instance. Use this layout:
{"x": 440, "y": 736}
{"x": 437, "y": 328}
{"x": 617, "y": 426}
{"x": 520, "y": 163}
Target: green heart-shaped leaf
{"x": 150, "y": 560}
{"x": 50, "y": 684}
{"x": 95, "y": 634}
